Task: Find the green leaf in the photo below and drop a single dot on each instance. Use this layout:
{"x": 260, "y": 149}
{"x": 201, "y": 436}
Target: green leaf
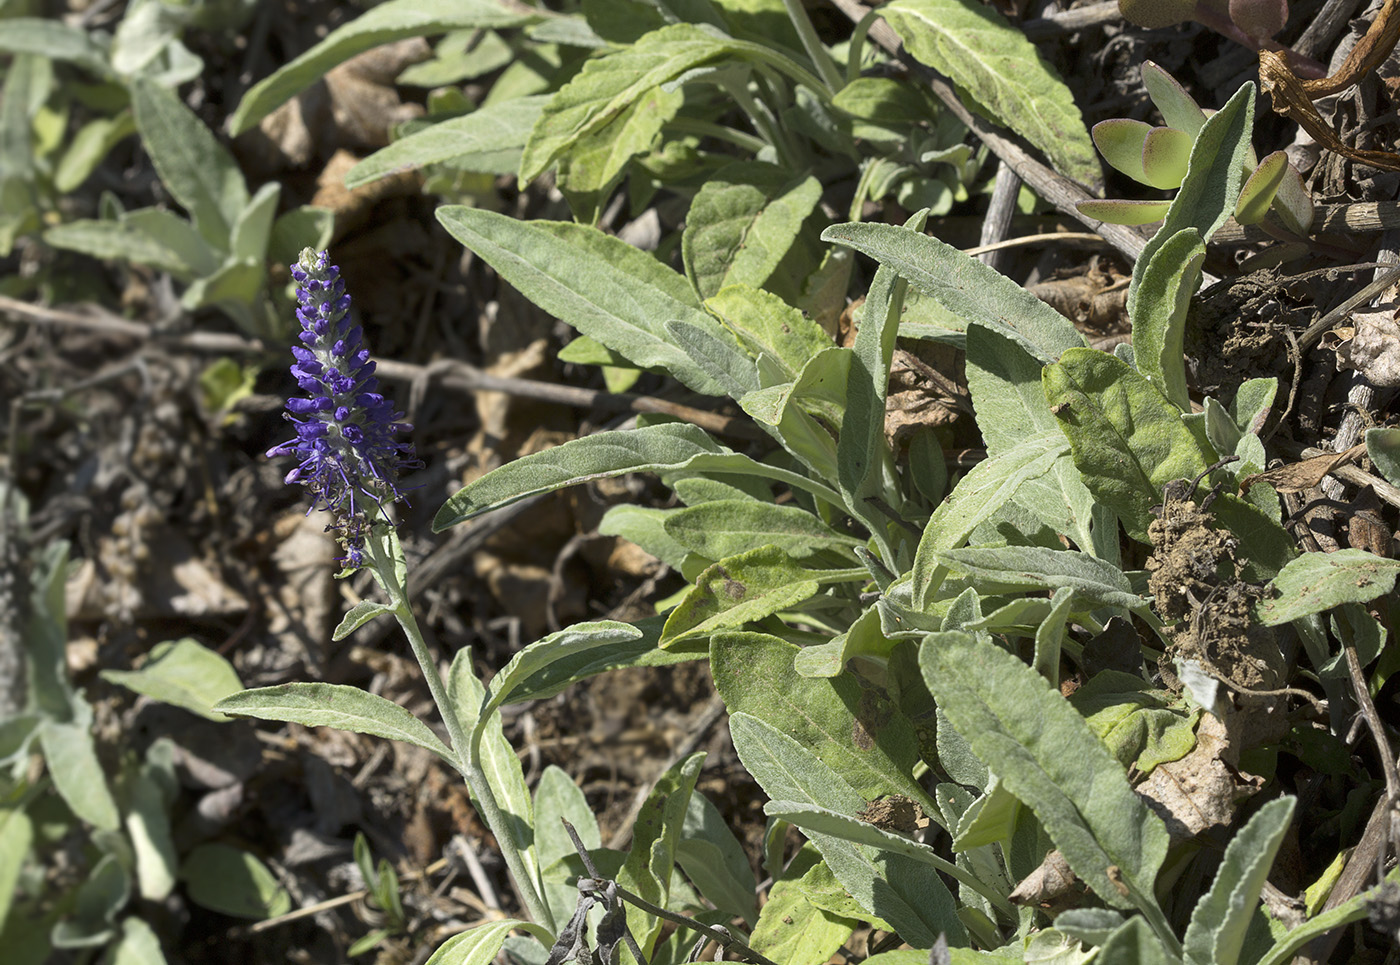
{"x": 726, "y": 527}
{"x": 1349, "y": 911}
{"x": 908, "y": 894}
{"x": 564, "y": 645}
{"x": 963, "y": 285}
{"x": 1123, "y": 211}
{"x": 386, "y": 23}
{"x": 595, "y": 162}
{"x": 1221, "y": 918}
{"x": 862, "y": 454}
{"x": 716, "y": 351}
{"x": 148, "y": 825}
{"x": 150, "y": 236}
{"x": 1134, "y": 943}
{"x": 494, "y": 755}
{"x": 1179, "y": 109}
{"x": 1007, "y": 569}
{"x": 655, "y": 836}
{"x": 608, "y": 85}
{"x": 737, "y": 590}
{"x": 1260, "y": 188}
{"x": 16, "y": 836}
{"x": 1128, "y": 439}
{"x": 54, "y": 40}
{"x": 1008, "y": 80}
{"x": 358, "y": 615}
{"x": 1047, "y": 756}
{"x": 558, "y": 797}
{"x": 983, "y": 491}
{"x": 93, "y": 142}
{"x": 1208, "y": 192}
{"x": 849, "y": 725}
{"x": 334, "y": 705}
{"x": 600, "y": 285}
{"x": 233, "y": 882}
{"x": 1166, "y": 156}
{"x": 138, "y": 945}
{"x": 743, "y": 221}
{"x": 639, "y": 651}
{"x": 72, "y": 761}
{"x": 1383, "y": 448}
{"x": 481, "y": 945}
{"x": 99, "y": 899}
{"x": 1134, "y": 721}
{"x": 471, "y": 142}
{"x": 184, "y": 673}
{"x": 194, "y": 167}
{"x": 793, "y": 931}
{"x": 714, "y": 860}
{"x": 766, "y": 325}
{"x": 671, "y": 448}
{"x": 252, "y": 227}
{"x": 1120, "y": 141}
{"x": 1315, "y": 582}
{"x": 1159, "y": 327}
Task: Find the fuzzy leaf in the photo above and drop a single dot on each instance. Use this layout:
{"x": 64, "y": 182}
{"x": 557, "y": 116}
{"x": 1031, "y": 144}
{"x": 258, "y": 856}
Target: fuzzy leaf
{"x": 1164, "y": 290}
{"x": 726, "y": 527}
{"x": 487, "y": 133}
{"x": 1221, "y": 918}
{"x": 1315, "y": 582}
{"x": 1004, "y": 569}
{"x": 737, "y": 590}
{"x": 906, "y": 893}
{"x": 184, "y": 673}
{"x": 1008, "y": 79}
{"x": 602, "y": 286}
{"x": 481, "y": 945}
{"x": 334, "y": 705}
{"x": 1047, "y": 756}
{"x": 963, "y": 285}
{"x": 386, "y": 23}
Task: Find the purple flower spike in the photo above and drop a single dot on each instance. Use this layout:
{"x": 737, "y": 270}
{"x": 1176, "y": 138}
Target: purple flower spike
{"x": 345, "y": 429}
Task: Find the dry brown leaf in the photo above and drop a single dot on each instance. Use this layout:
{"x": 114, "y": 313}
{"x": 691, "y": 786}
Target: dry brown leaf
{"x": 1291, "y": 99}
{"x": 1374, "y": 348}
{"x": 1203, "y": 789}
{"x": 1052, "y": 887}
{"x": 1297, "y": 477}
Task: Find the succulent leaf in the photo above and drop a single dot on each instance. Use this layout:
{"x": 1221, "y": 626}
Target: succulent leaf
{"x": 1179, "y": 109}
{"x": 1260, "y": 188}
{"x": 1293, "y": 204}
{"x": 1165, "y": 153}
{"x": 1120, "y": 141}
{"x": 1119, "y": 211}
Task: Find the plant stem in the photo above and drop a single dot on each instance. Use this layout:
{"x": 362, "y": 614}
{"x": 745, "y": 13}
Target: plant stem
{"x": 816, "y": 51}
{"x": 856, "y": 45}
{"x": 477, "y": 783}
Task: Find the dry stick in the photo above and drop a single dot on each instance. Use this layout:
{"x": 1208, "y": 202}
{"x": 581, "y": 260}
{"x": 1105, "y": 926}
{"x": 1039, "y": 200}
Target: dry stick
{"x": 1330, "y": 21}
{"x": 721, "y": 936}
{"x": 999, "y": 212}
{"x": 1068, "y": 21}
{"x": 454, "y": 375}
{"x": 1053, "y": 187}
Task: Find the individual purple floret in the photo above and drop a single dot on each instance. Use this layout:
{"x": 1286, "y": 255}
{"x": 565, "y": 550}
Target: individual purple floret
{"x": 345, "y": 429}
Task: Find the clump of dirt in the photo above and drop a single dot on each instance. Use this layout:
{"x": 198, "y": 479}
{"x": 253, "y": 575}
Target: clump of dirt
{"x": 1196, "y": 588}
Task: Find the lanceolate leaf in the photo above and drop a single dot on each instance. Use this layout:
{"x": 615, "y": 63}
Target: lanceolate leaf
{"x": 54, "y": 40}
{"x": 1007, "y": 77}
{"x": 197, "y": 170}
{"x": 908, "y": 894}
{"x": 394, "y": 20}
{"x": 481, "y": 945}
{"x": 334, "y": 705}
{"x": 1159, "y": 327}
{"x": 655, "y": 837}
{"x": 725, "y": 527}
{"x": 563, "y": 645}
{"x": 671, "y": 448}
{"x": 767, "y": 325}
{"x": 1000, "y": 570}
{"x": 963, "y": 285}
{"x": 1047, "y": 756}
{"x": 602, "y": 286}
{"x": 486, "y": 133}
{"x": 71, "y": 759}
{"x": 1221, "y": 918}
{"x": 984, "y": 490}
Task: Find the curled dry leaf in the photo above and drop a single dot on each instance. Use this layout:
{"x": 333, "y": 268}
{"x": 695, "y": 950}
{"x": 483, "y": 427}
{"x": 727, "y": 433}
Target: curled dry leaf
{"x": 1051, "y": 887}
{"x": 1297, "y": 477}
{"x": 1202, "y": 790}
{"x": 1374, "y": 350}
